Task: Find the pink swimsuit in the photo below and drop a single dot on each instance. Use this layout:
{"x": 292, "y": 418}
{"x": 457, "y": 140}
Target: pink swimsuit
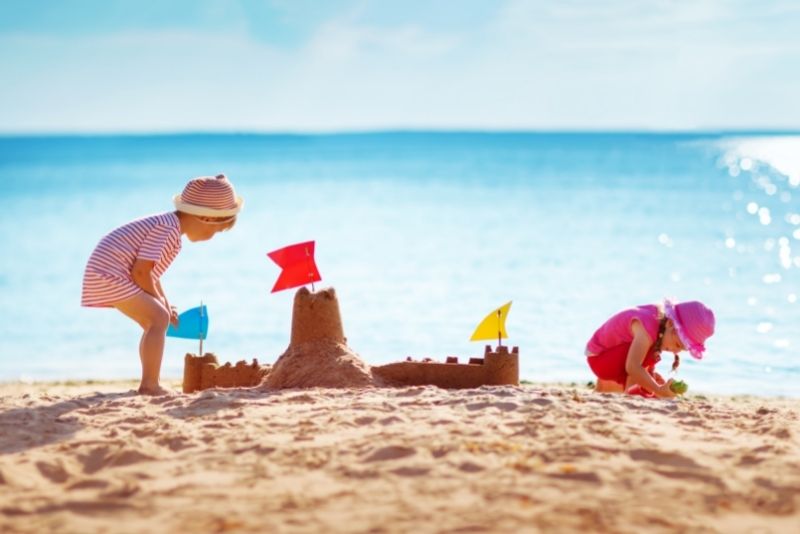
{"x": 607, "y": 350}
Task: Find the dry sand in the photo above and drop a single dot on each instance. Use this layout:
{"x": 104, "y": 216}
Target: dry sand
{"x": 94, "y": 457}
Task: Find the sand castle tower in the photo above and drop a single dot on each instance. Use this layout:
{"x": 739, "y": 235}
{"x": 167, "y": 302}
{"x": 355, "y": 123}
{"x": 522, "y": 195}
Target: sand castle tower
{"x": 318, "y": 355}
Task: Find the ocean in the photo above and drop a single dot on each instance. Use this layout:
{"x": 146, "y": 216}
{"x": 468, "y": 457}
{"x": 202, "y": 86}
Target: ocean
{"x": 422, "y": 234}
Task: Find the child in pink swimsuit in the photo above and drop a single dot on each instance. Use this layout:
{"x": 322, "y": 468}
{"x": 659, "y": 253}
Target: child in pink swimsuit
{"x": 624, "y": 351}
{"x": 124, "y": 269}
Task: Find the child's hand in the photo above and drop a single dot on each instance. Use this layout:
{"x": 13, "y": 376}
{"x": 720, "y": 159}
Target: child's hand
{"x": 173, "y": 316}
{"x": 665, "y": 391}
{"x": 679, "y": 387}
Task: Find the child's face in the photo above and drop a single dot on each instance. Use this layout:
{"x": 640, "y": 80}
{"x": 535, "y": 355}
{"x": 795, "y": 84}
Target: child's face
{"x": 671, "y": 341}
{"x": 204, "y": 228}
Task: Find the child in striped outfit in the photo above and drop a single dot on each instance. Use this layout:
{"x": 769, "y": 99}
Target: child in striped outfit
{"x": 124, "y": 269}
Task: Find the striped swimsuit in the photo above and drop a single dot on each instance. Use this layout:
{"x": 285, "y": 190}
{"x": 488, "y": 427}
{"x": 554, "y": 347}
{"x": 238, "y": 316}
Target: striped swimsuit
{"x": 107, "y": 279}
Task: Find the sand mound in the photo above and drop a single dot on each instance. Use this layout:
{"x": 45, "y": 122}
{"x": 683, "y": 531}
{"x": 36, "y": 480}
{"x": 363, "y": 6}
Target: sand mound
{"x": 318, "y": 355}
{"x": 319, "y": 364}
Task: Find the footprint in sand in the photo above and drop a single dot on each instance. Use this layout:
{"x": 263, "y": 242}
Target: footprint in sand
{"x": 671, "y": 459}
{"x": 392, "y": 452}
{"x": 53, "y": 471}
{"x": 411, "y": 392}
{"x": 392, "y": 419}
{"x": 692, "y": 475}
{"x": 176, "y": 443}
{"x": 586, "y": 476}
{"x": 749, "y": 459}
{"x": 502, "y": 406}
{"x": 101, "y": 457}
{"x": 411, "y": 471}
{"x": 470, "y": 467}
{"x": 364, "y": 420}
{"x": 89, "y": 483}
{"x": 303, "y": 398}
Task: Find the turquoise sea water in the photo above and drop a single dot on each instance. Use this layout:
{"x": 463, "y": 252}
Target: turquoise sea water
{"x": 421, "y": 234}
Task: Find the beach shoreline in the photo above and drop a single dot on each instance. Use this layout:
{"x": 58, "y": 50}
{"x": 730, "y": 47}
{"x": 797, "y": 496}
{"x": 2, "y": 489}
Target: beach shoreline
{"x": 80, "y": 456}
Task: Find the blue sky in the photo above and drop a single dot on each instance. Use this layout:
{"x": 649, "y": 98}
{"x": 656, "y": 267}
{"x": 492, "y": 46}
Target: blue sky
{"x": 342, "y": 65}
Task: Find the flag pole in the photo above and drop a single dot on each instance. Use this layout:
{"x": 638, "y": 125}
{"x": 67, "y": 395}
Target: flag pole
{"x": 308, "y": 267}
{"x": 499, "y": 329}
{"x": 200, "y": 329}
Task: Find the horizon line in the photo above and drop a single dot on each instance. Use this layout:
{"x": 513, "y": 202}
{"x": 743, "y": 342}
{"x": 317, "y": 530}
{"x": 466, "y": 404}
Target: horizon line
{"x": 384, "y": 131}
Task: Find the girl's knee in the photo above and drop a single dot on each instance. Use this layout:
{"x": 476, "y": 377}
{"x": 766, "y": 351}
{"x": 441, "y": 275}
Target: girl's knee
{"x": 158, "y": 320}
{"x": 608, "y": 386}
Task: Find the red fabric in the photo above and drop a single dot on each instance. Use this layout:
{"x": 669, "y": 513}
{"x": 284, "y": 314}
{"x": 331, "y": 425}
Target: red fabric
{"x": 610, "y": 364}
{"x": 640, "y": 391}
{"x": 297, "y": 262}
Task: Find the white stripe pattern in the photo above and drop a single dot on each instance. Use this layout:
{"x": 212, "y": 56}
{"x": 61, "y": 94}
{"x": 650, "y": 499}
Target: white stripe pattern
{"x": 108, "y": 278}
{"x": 216, "y": 193}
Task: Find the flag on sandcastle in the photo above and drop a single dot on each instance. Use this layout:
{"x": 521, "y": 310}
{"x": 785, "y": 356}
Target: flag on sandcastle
{"x": 297, "y": 264}
{"x": 192, "y": 324}
{"x": 493, "y": 326}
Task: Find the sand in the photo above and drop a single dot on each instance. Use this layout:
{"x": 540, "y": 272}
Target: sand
{"x": 95, "y": 457}
{"x": 318, "y": 355}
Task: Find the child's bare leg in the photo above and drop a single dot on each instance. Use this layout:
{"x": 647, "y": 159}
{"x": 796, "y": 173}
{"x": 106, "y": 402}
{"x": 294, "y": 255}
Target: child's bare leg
{"x": 608, "y": 386}
{"x": 154, "y": 320}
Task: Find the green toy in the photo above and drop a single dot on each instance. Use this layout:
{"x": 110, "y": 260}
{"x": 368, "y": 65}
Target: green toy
{"x": 679, "y": 387}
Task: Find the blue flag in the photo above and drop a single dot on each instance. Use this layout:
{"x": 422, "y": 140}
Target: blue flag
{"x": 192, "y": 324}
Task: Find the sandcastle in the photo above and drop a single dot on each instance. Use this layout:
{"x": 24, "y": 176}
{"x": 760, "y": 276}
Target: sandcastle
{"x": 203, "y": 372}
{"x": 497, "y": 367}
{"x": 318, "y": 356}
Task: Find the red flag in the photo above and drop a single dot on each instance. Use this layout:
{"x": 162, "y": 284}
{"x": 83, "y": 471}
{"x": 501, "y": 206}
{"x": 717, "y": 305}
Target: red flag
{"x": 297, "y": 262}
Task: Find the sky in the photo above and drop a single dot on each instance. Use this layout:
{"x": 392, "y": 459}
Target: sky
{"x": 97, "y": 66}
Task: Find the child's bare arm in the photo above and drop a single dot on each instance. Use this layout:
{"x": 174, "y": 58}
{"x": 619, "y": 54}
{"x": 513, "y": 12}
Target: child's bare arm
{"x": 173, "y": 312}
{"x": 161, "y": 291}
{"x": 633, "y": 365}
{"x": 142, "y": 274}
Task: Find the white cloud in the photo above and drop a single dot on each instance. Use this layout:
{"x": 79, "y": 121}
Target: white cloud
{"x": 671, "y": 65}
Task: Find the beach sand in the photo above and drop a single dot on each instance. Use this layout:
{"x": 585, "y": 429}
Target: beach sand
{"x": 94, "y": 457}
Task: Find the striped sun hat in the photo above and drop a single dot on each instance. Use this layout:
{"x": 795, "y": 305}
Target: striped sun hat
{"x": 209, "y": 196}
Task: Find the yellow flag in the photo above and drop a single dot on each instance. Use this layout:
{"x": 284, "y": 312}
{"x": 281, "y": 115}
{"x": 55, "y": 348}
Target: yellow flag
{"x": 494, "y": 326}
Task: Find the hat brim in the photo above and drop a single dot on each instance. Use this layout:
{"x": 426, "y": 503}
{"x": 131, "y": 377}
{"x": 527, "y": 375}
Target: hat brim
{"x": 695, "y": 349}
{"x": 204, "y": 211}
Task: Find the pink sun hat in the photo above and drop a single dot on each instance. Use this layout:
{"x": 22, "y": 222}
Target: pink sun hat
{"x": 209, "y": 196}
{"x": 694, "y": 323}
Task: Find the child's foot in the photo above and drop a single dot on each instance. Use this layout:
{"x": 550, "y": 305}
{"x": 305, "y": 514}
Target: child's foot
{"x": 156, "y": 391}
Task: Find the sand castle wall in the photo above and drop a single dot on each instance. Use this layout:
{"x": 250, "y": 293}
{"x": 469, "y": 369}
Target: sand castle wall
{"x": 497, "y": 367}
{"x": 204, "y": 372}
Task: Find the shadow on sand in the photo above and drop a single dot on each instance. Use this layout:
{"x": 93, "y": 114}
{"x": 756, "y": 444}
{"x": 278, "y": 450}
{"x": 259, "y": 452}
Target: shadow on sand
{"x": 30, "y": 427}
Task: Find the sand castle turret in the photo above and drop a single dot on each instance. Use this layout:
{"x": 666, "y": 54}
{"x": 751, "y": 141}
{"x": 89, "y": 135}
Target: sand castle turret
{"x": 318, "y": 355}
{"x": 316, "y": 317}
